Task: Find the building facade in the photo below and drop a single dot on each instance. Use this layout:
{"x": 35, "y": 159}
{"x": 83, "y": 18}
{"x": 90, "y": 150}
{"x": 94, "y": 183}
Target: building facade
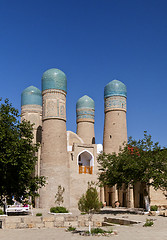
{"x": 69, "y": 159}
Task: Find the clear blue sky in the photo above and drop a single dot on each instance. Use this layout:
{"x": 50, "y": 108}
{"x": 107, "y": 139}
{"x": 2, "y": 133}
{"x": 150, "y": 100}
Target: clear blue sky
{"x": 93, "y": 42}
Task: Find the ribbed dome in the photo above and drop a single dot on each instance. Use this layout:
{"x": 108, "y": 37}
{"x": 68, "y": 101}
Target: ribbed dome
{"x": 54, "y": 79}
{"x": 31, "y": 96}
{"x": 85, "y": 102}
{"x": 115, "y": 88}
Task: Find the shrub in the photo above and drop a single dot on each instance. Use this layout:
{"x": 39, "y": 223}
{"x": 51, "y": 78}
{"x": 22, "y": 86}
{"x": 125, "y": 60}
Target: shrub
{"x": 98, "y": 230}
{"x": 83, "y": 213}
{"x": 71, "y": 229}
{"x": 38, "y": 214}
{"x": 1, "y": 212}
{"x": 89, "y": 202}
{"x": 154, "y": 208}
{"x": 58, "y": 210}
{"x": 148, "y": 223}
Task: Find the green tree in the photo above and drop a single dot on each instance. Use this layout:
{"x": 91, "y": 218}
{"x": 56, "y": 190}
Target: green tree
{"x": 17, "y": 155}
{"x": 89, "y": 202}
{"x": 139, "y": 161}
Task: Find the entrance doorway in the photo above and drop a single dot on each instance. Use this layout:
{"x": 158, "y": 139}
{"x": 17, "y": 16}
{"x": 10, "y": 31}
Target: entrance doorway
{"x": 124, "y": 199}
{"x": 110, "y": 198}
{"x": 141, "y": 201}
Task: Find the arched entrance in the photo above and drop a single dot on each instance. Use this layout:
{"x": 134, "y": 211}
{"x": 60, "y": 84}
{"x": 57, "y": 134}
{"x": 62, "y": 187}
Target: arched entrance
{"x": 85, "y": 161}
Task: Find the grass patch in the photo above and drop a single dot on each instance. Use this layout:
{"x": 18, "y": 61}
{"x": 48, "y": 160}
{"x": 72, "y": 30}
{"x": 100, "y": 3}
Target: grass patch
{"x": 70, "y": 229}
{"x": 98, "y": 230}
{"x": 148, "y": 223}
{"x": 38, "y": 214}
{"x": 58, "y": 210}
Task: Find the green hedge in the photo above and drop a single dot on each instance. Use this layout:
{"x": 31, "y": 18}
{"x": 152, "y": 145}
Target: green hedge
{"x": 58, "y": 210}
{"x": 154, "y": 208}
{"x": 38, "y": 214}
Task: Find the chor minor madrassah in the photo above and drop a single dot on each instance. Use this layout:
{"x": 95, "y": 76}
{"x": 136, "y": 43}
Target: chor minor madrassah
{"x": 70, "y": 159}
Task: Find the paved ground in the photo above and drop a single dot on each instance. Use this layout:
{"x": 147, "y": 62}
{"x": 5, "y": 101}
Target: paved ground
{"x": 135, "y": 232}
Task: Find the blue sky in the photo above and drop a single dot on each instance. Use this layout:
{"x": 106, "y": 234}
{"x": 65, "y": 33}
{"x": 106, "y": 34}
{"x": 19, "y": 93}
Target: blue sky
{"x": 93, "y": 42}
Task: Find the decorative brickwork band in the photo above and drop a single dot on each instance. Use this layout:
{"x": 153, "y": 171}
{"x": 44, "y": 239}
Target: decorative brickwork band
{"x": 115, "y": 103}
{"x": 85, "y": 115}
{"x": 31, "y": 108}
{"x": 54, "y": 104}
{"x": 32, "y": 113}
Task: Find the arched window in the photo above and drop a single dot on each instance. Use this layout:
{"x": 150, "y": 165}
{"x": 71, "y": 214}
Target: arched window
{"x": 39, "y": 134}
{"x": 93, "y": 140}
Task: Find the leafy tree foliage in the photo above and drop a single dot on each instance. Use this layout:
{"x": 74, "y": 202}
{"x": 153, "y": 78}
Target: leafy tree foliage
{"x": 17, "y": 155}
{"x": 89, "y": 201}
{"x": 139, "y": 161}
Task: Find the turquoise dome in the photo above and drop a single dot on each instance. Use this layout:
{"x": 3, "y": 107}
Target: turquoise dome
{"x": 85, "y": 102}
{"x": 54, "y": 79}
{"x": 31, "y": 95}
{"x": 115, "y": 88}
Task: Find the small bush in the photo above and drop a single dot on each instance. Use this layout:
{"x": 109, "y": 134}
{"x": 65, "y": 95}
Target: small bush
{"x": 148, "y": 223}
{"x": 71, "y": 229}
{"x": 83, "y": 213}
{"x": 99, "y": 230}
{"x": 154, "y": 208}
{"x": 38, "y": 214}
{"x": 58, "y": 210}
{"x": 1, "y": 212}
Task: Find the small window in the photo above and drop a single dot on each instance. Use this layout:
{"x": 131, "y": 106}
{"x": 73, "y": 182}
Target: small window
{"x": 110, "y": 136}
{"x": 39, "y": 134}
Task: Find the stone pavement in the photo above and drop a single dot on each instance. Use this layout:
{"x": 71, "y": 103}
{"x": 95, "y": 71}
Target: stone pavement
{"x": 132, "y": 232}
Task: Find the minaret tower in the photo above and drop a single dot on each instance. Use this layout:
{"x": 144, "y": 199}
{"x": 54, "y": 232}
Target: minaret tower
{"x": 85, "y": 109}
{"x": 115, "y": 129}
{"x": 54, "y": 158}
{"x": 31, "y": 108}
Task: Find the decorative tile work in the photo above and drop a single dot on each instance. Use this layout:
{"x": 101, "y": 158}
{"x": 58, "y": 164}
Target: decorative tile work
{"x": 85, "y": 102}
{"x": 85, "y": 113}
{"x": 115, "y": 88}
{"x": 54, "y": 104}
{"x": 31, "y": 96}
{"x": 54, "y": 79}
{"x": 116, "y": 102}
{"x": 53, "y": 108}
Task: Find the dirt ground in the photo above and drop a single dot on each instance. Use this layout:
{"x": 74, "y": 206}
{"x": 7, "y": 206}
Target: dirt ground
{"x": 134, "y": 232}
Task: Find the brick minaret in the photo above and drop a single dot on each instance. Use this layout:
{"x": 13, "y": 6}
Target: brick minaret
{"x": 31, "y": 110}
{"x": 115, "y": 129}
{"x": 85, "y": 109}
{"x": 54, "y": 158}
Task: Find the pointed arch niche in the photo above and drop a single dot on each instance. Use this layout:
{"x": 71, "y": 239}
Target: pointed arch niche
{"x": 85, "y": 161}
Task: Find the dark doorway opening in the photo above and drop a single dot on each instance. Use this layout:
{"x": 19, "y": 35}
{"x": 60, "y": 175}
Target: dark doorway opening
{"x": 124, "y": 199}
